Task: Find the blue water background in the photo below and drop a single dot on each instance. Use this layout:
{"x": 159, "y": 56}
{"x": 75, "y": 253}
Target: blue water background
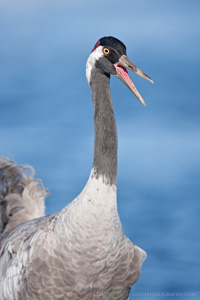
{"x": 47, "y": 120}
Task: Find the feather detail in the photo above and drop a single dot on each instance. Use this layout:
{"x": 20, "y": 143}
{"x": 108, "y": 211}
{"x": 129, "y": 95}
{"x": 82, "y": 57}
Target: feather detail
{"x": 21, "y": 196}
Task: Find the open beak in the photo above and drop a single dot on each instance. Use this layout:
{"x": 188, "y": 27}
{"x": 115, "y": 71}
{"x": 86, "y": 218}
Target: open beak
{"x": 121, "y": 66}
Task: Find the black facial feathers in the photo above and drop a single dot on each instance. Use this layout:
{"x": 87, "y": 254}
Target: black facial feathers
{"x": 112, "y": 50}
{"x": 109, "y": 41}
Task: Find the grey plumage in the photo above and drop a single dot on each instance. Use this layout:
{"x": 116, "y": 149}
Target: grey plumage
{"x": 21, "y": 196}
{"x": 105, "y": 146}
{"x": 69, "y": 255}
{"x": 80, "y": 252}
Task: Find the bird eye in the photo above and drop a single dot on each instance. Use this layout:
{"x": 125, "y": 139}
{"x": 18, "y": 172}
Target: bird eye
{"x": 106, "y": 51}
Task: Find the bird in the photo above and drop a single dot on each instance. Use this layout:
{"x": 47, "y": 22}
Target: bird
{"x": 80, "y": 252}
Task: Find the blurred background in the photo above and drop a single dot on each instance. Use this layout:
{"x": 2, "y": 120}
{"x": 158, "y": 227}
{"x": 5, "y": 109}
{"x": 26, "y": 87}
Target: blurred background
{"x": 47, "y": 120}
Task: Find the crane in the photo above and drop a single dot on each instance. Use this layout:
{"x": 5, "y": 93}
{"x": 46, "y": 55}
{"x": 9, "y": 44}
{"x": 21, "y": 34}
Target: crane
{"x": 80, "y": 252}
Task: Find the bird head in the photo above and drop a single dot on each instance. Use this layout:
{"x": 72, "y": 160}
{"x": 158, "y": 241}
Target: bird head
{"x": 109, "y": 57}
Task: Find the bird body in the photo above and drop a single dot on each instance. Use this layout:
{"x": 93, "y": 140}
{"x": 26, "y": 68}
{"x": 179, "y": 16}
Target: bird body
{"x": 80, "y": 252}
{"x": 73, "y": 253}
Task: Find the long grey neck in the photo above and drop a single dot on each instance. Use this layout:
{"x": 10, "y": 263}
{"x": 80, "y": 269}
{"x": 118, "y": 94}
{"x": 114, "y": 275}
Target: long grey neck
{"x": 104, "y": 167}
{"x": 105, "y": 146}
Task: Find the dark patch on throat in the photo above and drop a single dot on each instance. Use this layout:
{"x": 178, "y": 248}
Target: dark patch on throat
{"x": 105, "y": 147}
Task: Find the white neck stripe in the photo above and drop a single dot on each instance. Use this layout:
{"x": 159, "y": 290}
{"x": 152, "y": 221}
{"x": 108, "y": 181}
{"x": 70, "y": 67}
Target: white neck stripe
{"x": 94, "y": 56}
